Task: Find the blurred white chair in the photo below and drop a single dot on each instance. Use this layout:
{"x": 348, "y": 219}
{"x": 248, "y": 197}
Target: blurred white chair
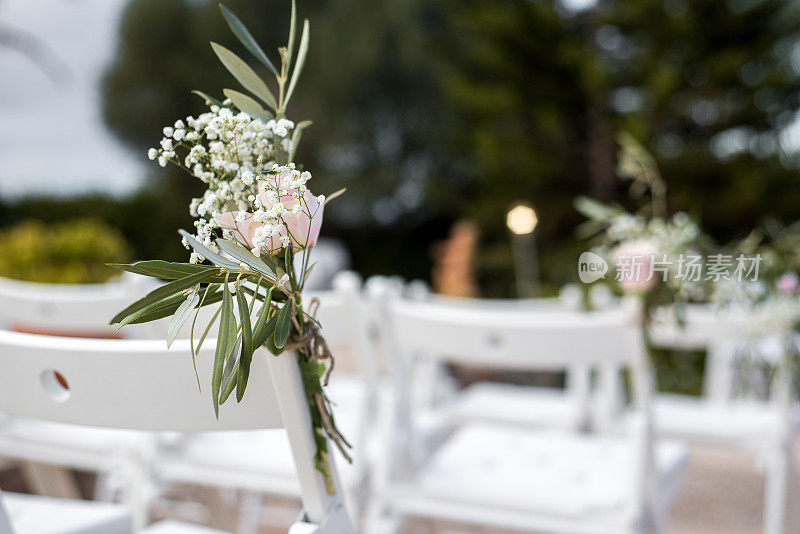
{"x": 142, "y": 385}
{"x": 80, "y": 310}
{"x": 518, "y": 477}
{"x": 231, "y": 459}
{"x": 35, "y": 514}
{"x": 502, "y": 402}
{"x": 764, "y": 428}
{"x": 329, "y": 257}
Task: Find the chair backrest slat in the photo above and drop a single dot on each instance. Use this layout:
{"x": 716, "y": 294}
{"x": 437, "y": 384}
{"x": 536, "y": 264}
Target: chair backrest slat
{"x": 68, "y": 307}
{"x": 516, "y": 339}
{"x": 137, "y": 384}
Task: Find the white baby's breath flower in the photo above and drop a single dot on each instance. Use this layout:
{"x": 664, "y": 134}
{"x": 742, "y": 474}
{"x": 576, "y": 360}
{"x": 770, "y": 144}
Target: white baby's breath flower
{"x": 234, "y": 154}
{"x": 247, "y": 176}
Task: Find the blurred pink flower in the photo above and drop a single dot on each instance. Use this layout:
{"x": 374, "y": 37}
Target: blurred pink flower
{"x": 634, "y": 266}
{"x": 788, "y": 283}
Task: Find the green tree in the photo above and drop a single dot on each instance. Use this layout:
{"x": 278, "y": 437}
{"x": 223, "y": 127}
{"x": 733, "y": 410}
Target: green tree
{"x": 706, "y": 85}
{"x": 434, "y": 111}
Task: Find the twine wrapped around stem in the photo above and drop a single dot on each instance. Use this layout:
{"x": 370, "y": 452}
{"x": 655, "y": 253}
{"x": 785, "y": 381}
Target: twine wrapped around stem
{"x": 312, "y": 349}
{"x": 311, "y": 345}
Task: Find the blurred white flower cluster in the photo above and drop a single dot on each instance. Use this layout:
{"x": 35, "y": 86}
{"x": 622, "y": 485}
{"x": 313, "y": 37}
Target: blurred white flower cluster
{"x": 674, "y": 236}
{"x": 650, "y": 250}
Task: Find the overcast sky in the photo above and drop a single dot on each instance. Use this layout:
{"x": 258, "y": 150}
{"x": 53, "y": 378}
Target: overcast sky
{"x": 53, "y": 140}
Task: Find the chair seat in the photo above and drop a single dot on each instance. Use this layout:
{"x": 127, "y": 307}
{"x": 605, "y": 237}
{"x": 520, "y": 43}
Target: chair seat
{"x": 256, "y": 460}
{"x": 508, "y": 403}
{"x": 699, "y": 419}
{"x": 171, "y": 526}
{"x": 259, "y": 460}
{"x": 34, "y": 514}
{"x": 77, "y": 446}
{"x": 547, "y": 473}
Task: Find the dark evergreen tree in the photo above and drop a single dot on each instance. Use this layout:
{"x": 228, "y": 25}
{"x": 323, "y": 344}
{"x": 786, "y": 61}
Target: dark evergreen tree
{"x": 434, "y": 111}
{"x": 708, "y": 86}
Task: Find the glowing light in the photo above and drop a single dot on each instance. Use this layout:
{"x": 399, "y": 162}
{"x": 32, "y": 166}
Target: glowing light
{"x": 521, "y": 219}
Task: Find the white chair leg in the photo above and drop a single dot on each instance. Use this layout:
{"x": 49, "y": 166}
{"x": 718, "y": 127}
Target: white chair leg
{"x": 380, "y": 519}
{"x": 249, "y": 513}
{"x": 776, "y": 489}
{"x": 103, "y": 488}
{"x": 136, "y": 491}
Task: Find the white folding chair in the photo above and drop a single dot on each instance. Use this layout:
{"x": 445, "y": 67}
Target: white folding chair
{"x": 142, "y": 385}
{"x": 764, "y": 428}
{"x": 231, "y": 460}
{"x": 490, "y": 401}
{"x": 520, "y": 477}
{"x": 46, "y": 450}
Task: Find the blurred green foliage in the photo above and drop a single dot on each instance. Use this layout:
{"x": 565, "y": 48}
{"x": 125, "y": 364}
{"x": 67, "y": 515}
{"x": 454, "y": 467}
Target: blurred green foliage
{"x": 73, "y": 252}
{"x": 148, "y": 221}
{"x": 430, "y": 111}
{"x": 678, "y": 371}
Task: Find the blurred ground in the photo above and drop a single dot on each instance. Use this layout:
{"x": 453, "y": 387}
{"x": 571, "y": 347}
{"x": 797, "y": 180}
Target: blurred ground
{"x": 723, "y": 493}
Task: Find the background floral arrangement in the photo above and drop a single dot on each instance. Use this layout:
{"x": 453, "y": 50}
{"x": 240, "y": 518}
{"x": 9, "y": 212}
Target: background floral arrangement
{"x": 255, "y": 218}
{"x": 647, "y": 235}
{"x": 770, "y": 299}
{"x": 773, "y": 301}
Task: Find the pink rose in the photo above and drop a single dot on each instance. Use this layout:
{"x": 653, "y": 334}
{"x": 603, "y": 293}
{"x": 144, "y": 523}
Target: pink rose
{"x": 243, "y": 231}
{"x": 634, "y": 266}
{"x": 303, "y": 228}
{"x": 788, "y": 283}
